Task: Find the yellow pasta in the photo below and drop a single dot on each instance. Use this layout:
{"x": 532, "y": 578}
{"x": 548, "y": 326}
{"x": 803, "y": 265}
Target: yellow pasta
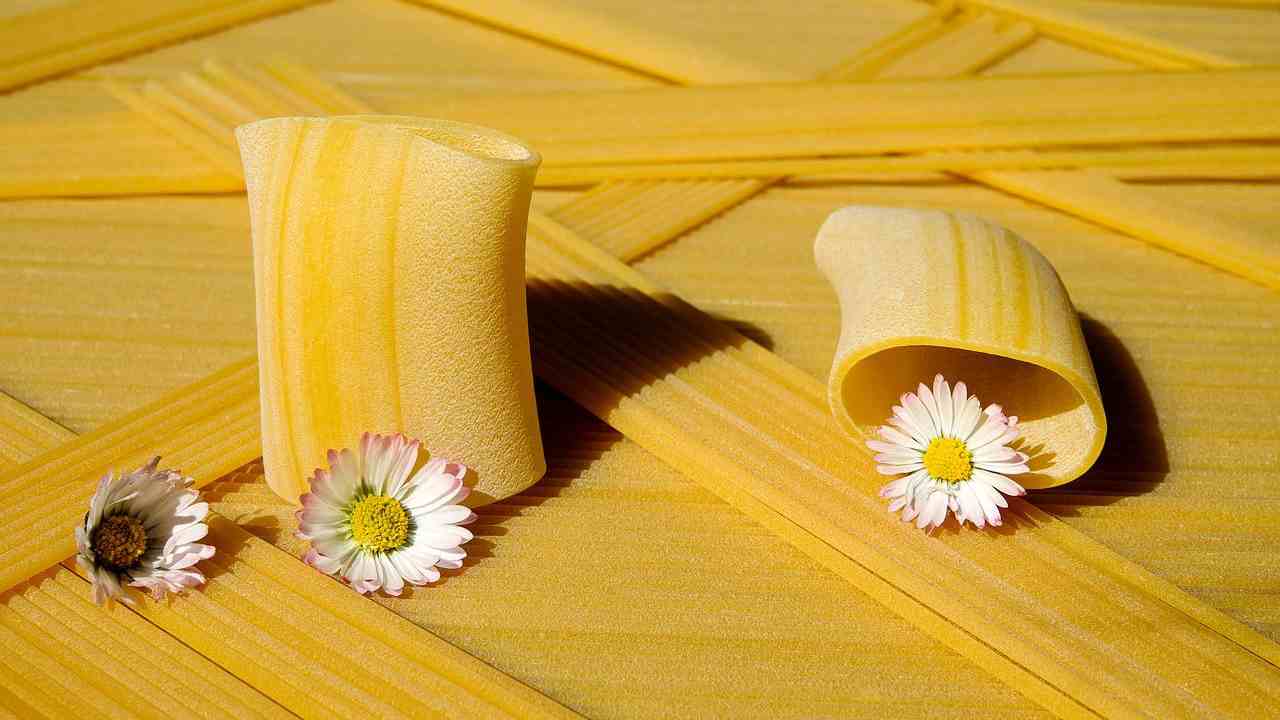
{"x": 1203, "y": 161}
{"x": 975, "y": 40}
{"x": 872, "y": 60}
{"x": 697, "y": 42}
{"x": 1216, "y": 238}
{"x": 389, "y": 257}
{"x": 631, "y": 218}
{"x": 1061, "y": 23}
{"x": 688, "y": 124}
{"x": 65, "y": 655}
{"x": 58, "y": 39}
{"x": 924, "y": 292}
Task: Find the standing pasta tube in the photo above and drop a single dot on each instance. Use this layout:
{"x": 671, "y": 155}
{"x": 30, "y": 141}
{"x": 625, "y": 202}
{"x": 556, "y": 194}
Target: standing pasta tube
{"x": 924, "y": 292}
{"x": 389, "y": 272}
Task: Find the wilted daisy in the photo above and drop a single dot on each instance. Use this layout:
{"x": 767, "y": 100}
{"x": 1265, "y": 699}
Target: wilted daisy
{"x": 953, "y": 456}
{"x": 378, "y": 524}
{"x": 141, "y": 530}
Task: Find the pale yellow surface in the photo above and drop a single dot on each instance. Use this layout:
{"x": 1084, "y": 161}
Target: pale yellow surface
{"x": 399, "y": 48}
{"x": 61, "y": 37}
{"x": 1063, "y": 21}
{"x": 413, "y": 293}
{"x": 1213, "y": 234}
{"x": 53, "y": 138}
{"x": 689, "y": 123}
{"x": 1156, "y": 162}
{"x": 64, "y": 656}
{"x": 970, "y": 300}
{"x": 972, "y": 42}
{"x": 699, "y": 42}
{"x": 631, "y": 218}
{"x": 1248, "y": 34}
{"x": 1046, "y": 56}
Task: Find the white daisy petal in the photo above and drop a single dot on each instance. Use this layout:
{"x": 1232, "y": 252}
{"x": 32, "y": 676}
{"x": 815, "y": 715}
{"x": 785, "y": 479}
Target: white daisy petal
{"x": 959, "y": 398}
{"x": 946, "y": 406}
{"x": 967, "y": 419}
{"x": 991, "y": 429}
{"x": 905, "y": 458}
{"x": 1000, "y": 482}
{"x": 896, "y": 469}
{"x": 902, "y": 439}
{"x": 919, "y": 415}
{"x": 897, "y": 488}
{"x": 448, "y": 515}
{"x": 889, "y": 447}
{"x": 970, "y": 505}
{"x": 1010, "y": 468}
{"x": 428, "y": 496}
{"x": 990, "y": 500}
{"x": 994, "y": 453}
{"x": 930, "y": 405}
{"x": 402, "y": 465}
{"x": 934, "y": 512}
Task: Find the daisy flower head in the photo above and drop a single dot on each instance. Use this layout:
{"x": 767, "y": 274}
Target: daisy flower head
{"x": 141, "y": 530}
{"x": 952, "y": 455}
{"x": 377, "y": 524}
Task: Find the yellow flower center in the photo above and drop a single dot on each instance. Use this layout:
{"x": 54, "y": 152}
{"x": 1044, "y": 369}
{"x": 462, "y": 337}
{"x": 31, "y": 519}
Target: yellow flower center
{"x": 119, "y": 541}
{"x": 379, "y": 523}
{"x": 948, "y": 459}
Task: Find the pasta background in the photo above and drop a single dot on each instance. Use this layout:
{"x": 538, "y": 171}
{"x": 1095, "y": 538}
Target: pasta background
{"x": 642, "y": 593}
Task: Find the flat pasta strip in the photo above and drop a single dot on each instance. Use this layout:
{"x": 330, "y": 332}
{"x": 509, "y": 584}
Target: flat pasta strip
{"x": 79, "y": 34}
{"x": 64, "y": 655}
{"x": 172, "y": 135}
{"x": 691, "y": 124}
{"x": 1153, "y": 162}
{"x": 974, "y": 41}
{"x": 759, "y": 41}
{"x": 973, "y": 302}
{"x": 631, "y": 218}
{"x": 871, "y": 60}
{"x": 1061, "y": 24}
{"x": 1222, "y": 241}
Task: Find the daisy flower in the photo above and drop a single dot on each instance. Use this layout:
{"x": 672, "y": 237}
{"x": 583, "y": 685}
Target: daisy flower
{"x": 141, "y": 530}
{"x": 953, "y": 456}
{"x": 378, "y": 524}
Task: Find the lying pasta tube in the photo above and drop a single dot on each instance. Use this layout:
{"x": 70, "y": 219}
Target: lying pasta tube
{"x": 924, "y": 292}
{"x": 389, "y": 267}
